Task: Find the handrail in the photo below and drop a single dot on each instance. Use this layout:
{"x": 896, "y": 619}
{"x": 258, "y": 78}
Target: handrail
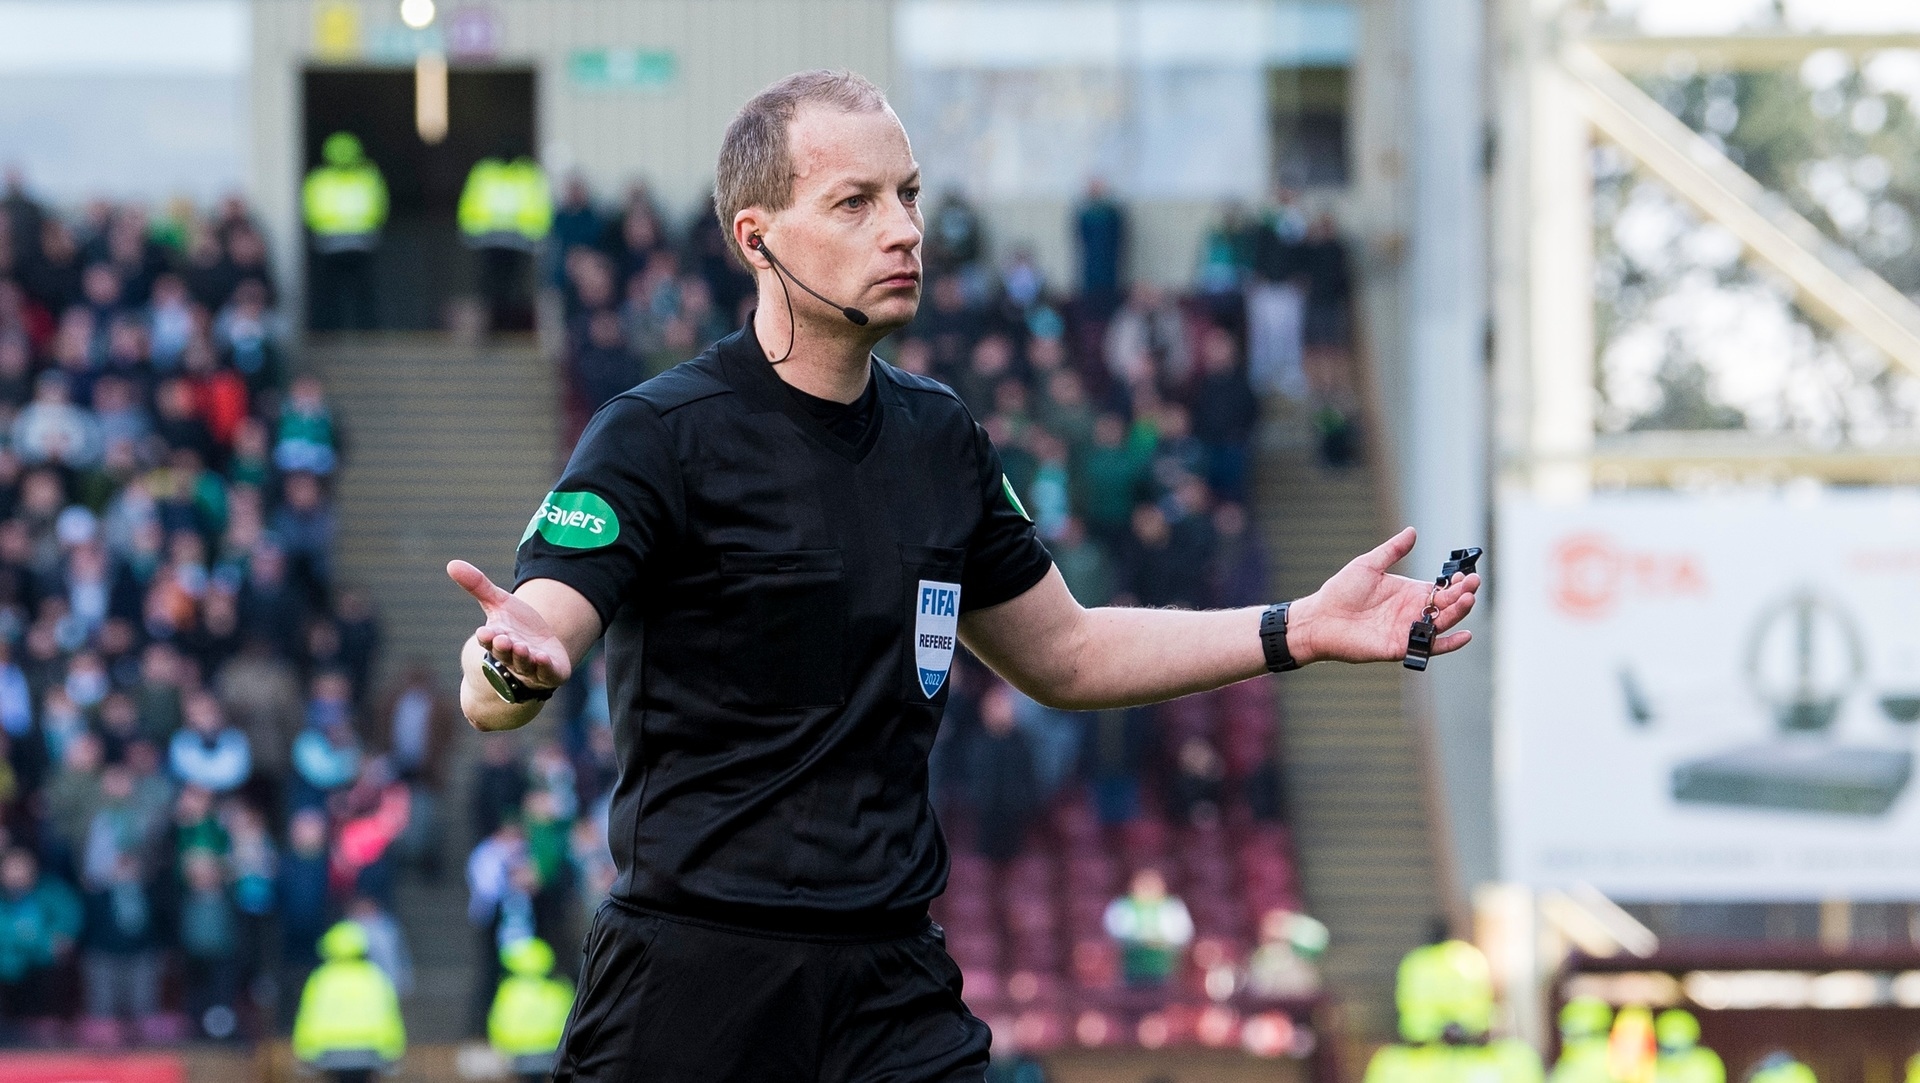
{"x": 1753, "y": 51}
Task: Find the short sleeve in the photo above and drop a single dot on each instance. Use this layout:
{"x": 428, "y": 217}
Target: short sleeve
{"x": 1005, "y": 556}
{"x": 614, "y": 506}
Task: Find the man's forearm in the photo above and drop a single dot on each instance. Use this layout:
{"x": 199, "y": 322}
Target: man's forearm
{"x": 481, "y": 704}
{"x": 1125, "y": 656}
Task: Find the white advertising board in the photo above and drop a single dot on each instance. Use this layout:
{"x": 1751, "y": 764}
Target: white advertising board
{"x": 1710, "y": 697}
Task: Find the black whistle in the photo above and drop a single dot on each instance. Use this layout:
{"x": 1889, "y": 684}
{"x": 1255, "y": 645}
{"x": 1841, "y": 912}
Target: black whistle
{"x": 1420, "y": 644}
{"x": 1459, "y": 562}
{"x": 1421, "y": 636}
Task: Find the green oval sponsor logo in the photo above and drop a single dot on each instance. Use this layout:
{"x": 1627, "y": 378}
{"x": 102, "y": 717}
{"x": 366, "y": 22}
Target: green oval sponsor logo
{"x": 575, "y": 520}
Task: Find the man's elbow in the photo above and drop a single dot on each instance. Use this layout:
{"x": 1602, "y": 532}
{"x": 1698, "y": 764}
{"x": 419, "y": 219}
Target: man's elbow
{"x": 1061, "y": 692}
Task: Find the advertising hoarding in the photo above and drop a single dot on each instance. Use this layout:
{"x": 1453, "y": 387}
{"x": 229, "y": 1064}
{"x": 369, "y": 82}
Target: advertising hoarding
{"x": 1710, "y": 697}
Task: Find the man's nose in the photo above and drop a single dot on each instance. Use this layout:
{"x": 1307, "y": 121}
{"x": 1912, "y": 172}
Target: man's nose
{"x": 899, "y": 230}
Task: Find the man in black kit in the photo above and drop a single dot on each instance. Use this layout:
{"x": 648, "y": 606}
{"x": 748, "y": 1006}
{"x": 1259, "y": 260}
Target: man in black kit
{"x": 782, "y": 540}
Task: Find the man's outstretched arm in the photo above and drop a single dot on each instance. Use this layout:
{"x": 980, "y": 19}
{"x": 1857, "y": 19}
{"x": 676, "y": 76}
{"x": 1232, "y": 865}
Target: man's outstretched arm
{"x": 539, "y": 632}
{"x": 1045, "y": 644}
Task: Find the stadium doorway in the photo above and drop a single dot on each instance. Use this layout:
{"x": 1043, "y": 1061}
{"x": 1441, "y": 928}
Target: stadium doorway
{"x": 421, "y": 265}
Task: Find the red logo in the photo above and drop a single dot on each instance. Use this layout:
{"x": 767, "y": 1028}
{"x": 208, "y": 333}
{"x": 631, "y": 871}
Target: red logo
{"x": 1591, "y": 571}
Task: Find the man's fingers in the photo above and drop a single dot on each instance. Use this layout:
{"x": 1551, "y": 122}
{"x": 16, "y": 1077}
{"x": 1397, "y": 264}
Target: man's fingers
{"x": 475, "y": 582}
{"x": 1461, "y": 586}
{"x": 1452, "y": 641}
{"x": 1390, "y": 552}
{"x": 1455, "y": 612}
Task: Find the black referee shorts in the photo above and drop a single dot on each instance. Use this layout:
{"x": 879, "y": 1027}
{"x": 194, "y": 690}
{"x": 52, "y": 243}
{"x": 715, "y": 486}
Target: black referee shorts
{"x": 672, "y": 1000}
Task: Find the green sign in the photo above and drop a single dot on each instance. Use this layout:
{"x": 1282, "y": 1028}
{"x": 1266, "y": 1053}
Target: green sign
{"x": 643, "y": 68}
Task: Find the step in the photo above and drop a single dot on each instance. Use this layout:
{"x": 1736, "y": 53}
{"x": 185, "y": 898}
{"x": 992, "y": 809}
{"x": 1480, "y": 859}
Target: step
{"x": 1355, "y": 771}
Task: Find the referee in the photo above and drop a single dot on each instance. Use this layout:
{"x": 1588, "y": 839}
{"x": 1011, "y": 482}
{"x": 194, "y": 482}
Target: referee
{"x": 782, "y": 541}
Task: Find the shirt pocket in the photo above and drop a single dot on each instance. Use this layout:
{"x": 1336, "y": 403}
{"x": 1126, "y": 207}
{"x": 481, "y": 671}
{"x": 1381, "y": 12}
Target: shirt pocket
{"x": 932, "y": 579}
{"x": 782, "y": 623}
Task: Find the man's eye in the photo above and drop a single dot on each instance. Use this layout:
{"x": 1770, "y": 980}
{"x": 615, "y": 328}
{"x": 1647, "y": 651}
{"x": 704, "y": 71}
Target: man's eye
{"x": 854, "y": 203}
{"x": 910, "y": 196}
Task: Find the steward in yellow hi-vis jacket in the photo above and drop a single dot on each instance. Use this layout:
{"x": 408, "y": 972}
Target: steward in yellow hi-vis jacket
{"x": 348, "y": 1025}
{"x": 1584, "y": 1025}
{"x": 1682, "y": 1058}
{"x": 1782, "y": 1068}
{"x": 1445, "y": 996}
{"x": 529, "y": 1010}
{"x": 505, "y": 212}
{"x": 344, "y": 201}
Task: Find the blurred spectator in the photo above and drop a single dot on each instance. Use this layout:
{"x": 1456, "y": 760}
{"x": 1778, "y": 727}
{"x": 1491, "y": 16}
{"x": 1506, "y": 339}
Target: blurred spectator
{"x": 1006, "y": 795}
{"x": 1225, "y": 412}
{"x": 500, "y": 882}
{"x": 1165, "y": 563}
{"x": 326, "y": 754}
{"x": 1083, "y": 564}
{"x": 306, "y": 440}
{"x": 954, "y": 239}
{"x": 1152, "y": 928}
{"x": 307, "y": 906}
{"x": 306, "y": 525}
{"x": 576, "y": 224}
{"x": 261, "y": 695}
{"x": 39, "y": 926}
{"x": 253, "y": 864}
{"x": 1147, "y": 339}
{"x": 120, "y": 956}
{"x": 209, "y": 941}
{"x": 499, "y": 785}
{"x": 603, "y": 365}
{"x": 416, "y": 722}
{"x": 1283, "y": 966}
{"x": 172, "y": 321}
{"x": 386, "y": 942}
{"x": 246, "y": 339}
{"x": 209, "y": 753}
{"x": 1100, "y": 226}
{"x": 1112, "y": 476}
{"x": 51, "y": 429}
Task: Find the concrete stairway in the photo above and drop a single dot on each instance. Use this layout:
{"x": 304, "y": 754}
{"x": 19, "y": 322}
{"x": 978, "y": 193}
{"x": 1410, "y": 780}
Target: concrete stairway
{"x": 1353, "y": 764}
{"x": 449, "y": 451}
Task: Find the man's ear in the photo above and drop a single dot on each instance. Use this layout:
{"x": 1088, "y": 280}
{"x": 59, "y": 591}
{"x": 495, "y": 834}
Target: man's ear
{"x": 748, "y": 224}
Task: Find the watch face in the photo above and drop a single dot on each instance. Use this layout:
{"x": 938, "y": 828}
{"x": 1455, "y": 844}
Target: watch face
{"x": 497, "y": 677}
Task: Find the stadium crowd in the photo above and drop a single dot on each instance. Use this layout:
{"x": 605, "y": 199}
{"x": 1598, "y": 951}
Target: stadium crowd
{"x": 193, "y": 786}
{"x": 1124, "y": 413}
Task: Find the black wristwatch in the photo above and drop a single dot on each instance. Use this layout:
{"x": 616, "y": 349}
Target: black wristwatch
{"x": 1273, "y": 639}
{"x": 507, "y": 686}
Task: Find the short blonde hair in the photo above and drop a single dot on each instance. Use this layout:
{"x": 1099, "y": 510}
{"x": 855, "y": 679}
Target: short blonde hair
{"x": 756, "y": 163}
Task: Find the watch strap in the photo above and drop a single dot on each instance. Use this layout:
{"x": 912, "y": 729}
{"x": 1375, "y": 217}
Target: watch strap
{"x": 1273, "y": 639}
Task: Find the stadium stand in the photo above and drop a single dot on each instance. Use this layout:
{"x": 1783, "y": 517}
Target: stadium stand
{"x": 188, "y": 793}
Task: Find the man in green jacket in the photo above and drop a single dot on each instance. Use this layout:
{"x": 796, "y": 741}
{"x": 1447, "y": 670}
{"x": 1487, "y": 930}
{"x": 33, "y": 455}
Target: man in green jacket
{"x": 349, "y": 1024}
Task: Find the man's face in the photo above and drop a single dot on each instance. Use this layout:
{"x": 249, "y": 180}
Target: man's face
{"x": 853, "y": 229}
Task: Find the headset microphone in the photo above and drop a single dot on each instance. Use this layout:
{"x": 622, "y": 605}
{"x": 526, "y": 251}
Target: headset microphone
{"x": 853, "y": 315}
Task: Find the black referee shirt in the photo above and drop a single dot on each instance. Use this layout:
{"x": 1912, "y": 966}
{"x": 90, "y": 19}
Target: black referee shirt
{"x": 780, "y": 609}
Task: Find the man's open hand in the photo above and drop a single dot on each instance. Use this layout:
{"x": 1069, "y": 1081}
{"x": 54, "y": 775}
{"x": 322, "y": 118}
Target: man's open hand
{"x": 1363, "y": 613}
{"x": 514, "y": 633}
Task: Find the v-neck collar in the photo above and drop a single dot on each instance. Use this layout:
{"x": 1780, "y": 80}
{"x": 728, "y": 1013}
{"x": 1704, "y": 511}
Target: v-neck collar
{"x": 752, "y": 375}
